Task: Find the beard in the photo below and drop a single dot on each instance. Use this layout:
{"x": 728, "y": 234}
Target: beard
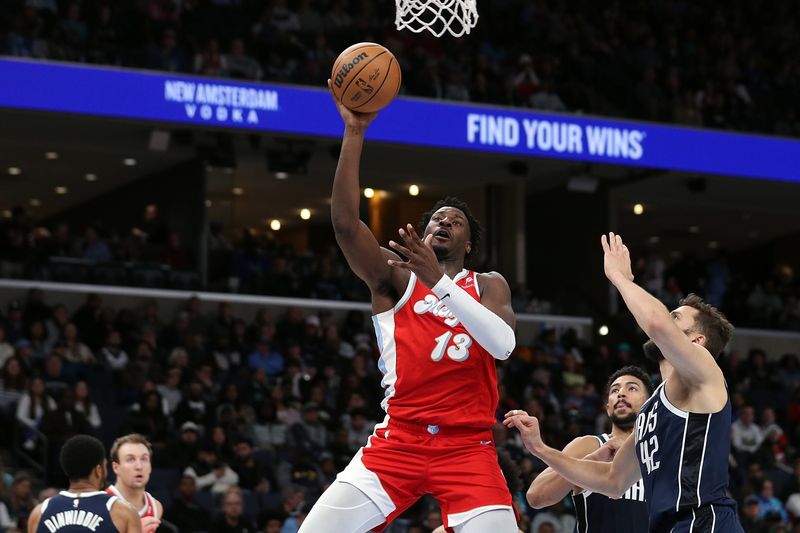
{"x": 652, "y": 352}
{"x": 624, "y": 422}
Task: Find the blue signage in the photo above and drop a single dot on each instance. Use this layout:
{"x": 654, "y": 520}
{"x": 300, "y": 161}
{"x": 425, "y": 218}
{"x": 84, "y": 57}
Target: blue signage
{"x": 163, "y": 97}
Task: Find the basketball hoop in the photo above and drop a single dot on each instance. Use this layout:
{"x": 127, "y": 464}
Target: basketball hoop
{"x": 437, "y": 16}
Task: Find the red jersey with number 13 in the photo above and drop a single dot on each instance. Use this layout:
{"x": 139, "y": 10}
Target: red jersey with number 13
{"x": 434, "y": 372}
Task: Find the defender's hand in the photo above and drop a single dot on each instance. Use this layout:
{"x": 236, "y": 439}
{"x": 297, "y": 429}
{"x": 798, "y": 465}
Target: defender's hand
{"x": 351, "y": 118}
{"x": 617, "y": 259}
{"x": 421, "y": 259}
{"x": 528, "y": 427}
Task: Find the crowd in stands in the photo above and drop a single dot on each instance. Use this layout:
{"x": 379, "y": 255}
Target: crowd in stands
{"x": 251, "y": 418}
{"x": 258, "y": 264}
{"x": 731, "y": 66}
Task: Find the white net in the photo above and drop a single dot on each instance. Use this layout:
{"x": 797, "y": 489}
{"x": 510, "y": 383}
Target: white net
{"x": 437, "y": 16}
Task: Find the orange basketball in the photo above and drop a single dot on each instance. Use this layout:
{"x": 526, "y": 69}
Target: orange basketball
{"x": 365, "y": 77}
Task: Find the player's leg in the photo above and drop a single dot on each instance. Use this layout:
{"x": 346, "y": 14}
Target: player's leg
{"x": 496, "y": 521}
{"x": 343, "y": 508}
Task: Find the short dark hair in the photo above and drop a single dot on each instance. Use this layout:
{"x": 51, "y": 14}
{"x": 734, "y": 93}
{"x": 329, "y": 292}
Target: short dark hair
{"x": 475, "y": 227}
{"x": 80, "y": 455}
{"x": 634, "y": 371}
{"x": 711, "y": 323}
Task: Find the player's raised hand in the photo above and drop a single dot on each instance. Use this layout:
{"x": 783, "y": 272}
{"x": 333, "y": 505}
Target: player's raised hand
{"x": 352, "y": 118}
{"x": 419, "y": 254}
{"x": 528, "y": 427}
{"x": 617, "y": 258}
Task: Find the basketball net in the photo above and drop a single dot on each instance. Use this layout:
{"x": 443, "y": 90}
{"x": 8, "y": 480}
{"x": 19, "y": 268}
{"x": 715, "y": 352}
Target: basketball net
{"x": 437, "y": 16}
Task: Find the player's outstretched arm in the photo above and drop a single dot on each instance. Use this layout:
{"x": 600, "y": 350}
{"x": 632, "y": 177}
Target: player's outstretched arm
{"x": 692, "y": 362}
{"x": 611, "y": 479}
{"x": 363, "y": 253}
{"x": 549, "y": 487}
{"x": 125, "y": 518}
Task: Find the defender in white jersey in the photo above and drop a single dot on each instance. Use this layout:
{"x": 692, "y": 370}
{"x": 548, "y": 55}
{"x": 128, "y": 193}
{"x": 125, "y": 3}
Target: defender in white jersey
{"x": 131, "y": 460}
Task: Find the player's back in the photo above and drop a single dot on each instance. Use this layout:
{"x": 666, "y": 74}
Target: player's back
{"x": 70, "y": 512}
{"x": 597, "y": 512}
{"x": 684, "y": 462}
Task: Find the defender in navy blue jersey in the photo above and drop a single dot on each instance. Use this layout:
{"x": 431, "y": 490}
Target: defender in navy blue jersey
{"x": 682, "y": 438}
{"x": 628, "y": 388}
{"x": 85, "y": 507}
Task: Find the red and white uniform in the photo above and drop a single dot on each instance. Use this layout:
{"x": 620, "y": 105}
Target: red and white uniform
{"x": 149, "y": 508}
{"x": 440, "y": 401}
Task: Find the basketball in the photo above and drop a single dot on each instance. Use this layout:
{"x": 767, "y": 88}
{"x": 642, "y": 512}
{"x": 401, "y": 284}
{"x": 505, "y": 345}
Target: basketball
{"x": 365, "y": 77}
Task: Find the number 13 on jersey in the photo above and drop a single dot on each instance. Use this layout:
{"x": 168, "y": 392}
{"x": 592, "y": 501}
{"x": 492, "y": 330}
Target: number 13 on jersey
{"x": 457, "y": 350}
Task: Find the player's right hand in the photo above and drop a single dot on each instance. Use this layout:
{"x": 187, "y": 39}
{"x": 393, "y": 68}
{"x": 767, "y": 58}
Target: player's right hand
{"x": 150, "y": 524}
{"x": 616, "y": 258}
{"x": 606, "y": 452}
{"x": 528, "y": 427}
{"x": 352, "y": 118}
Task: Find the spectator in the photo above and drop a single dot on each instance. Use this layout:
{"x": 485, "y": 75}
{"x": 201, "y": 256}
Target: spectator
{"x": 210, "y": 473}
{"x": 769, "y": 503}
{"x": 252, "y": 474}
{"x": 20, "y": 502}
{"x": 270, "y": 361}
{"x": 241, "y": 65}
{"x": 231, "y": 520}
{"x": 6, "y": 350}
{"x": 85, "y": 406}
{"x": 746, "y": 435}
{"x": 182, "y": 449}
{"x": 751, "y": 515}
{"x": 310, "y": 433}
{"x": 210, "y": 61}
{"x": 31, "y": 408}
{"x": 76, "y": 352}
{"x": 95, "y": 248}
{"x": 13, "y": 378}
{"x": 112, "y": 353}
{"x": 184, "y": 511}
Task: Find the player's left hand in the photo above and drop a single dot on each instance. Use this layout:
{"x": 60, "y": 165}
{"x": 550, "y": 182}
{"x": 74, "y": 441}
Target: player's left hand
{"x": 617, "y": 259}
{"x": 421, "y": 259}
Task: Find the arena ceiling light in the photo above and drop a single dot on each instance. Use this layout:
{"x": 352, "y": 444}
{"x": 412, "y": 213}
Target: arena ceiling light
{"x": 305, "y": 213}
{"x": 603, "y": 331}
{"x": 274, "y": 224}
{"x": 413, "y": 189}
{"x": 237, "y": 191}
{"x": 638, "y": 209}
{"x": 51, "y": 156}
{"x": 34, "y": 202}
{"x": 61, "y": 190}
{"x": 369, "y": 192}
{"x": 129, "y": 162}
{"x": 90, "y": 177}
{"x": 694, "y": 229}
{"x": 14, "y": 171}
{"x": 281, "y": 175}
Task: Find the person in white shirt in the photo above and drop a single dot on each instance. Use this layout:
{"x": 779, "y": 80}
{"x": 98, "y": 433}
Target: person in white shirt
{"x": 746, "y": 435}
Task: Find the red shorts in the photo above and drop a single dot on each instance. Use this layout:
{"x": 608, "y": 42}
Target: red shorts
{"x": 403, "y": 462}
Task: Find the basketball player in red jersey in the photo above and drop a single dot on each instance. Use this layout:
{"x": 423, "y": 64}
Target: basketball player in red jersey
{"x": 130, "y": 459}
{"x": 440, "y": 328}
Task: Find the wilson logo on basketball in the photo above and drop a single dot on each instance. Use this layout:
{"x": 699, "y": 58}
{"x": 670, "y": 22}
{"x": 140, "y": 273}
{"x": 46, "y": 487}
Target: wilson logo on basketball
{"x": 345, "y": 69}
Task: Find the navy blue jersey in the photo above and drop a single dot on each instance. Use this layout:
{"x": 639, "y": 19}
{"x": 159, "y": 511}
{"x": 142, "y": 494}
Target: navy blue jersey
{"x": 70, "y": 512}
{"x": 684, "y": 462}
{"x": 599, "y": 513}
